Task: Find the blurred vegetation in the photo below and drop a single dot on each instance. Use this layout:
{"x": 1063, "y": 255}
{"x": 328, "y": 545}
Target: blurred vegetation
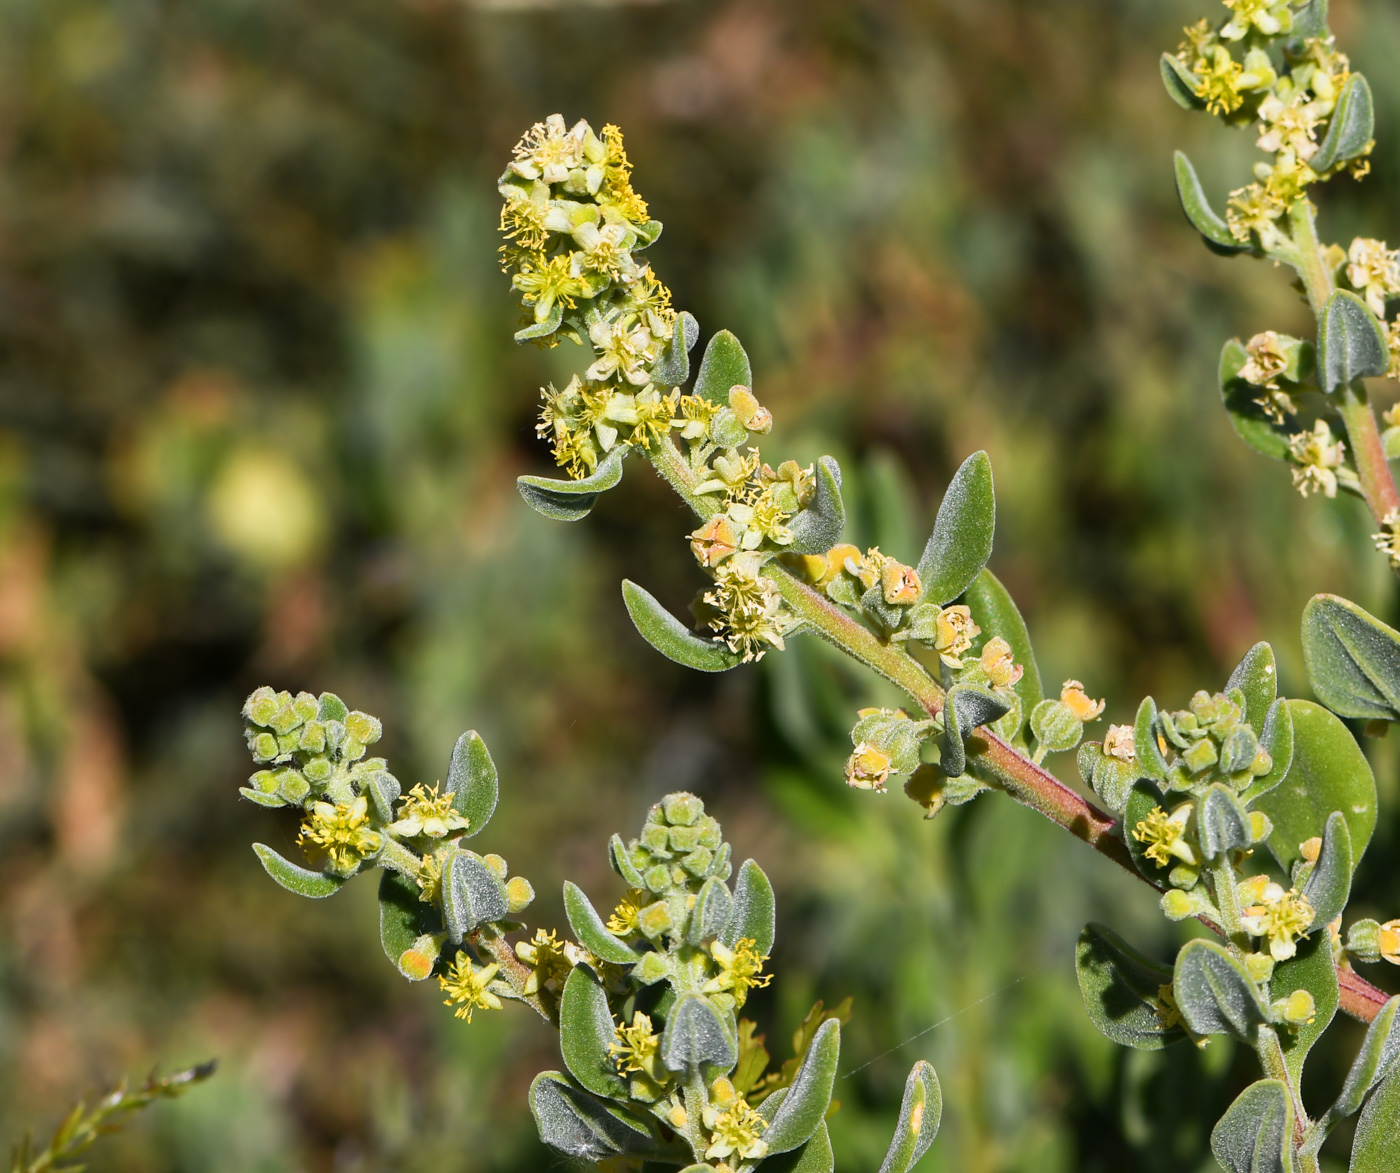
{"x": 260, "y": 419}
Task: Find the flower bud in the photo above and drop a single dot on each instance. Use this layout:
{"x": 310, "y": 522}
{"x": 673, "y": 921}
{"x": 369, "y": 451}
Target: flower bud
{"x": 1298, "y": 1009}
{"x": 752, "y": 414}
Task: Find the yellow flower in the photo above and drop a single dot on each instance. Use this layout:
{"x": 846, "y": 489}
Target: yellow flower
{"x": 1319, "y": 456}
{"x": 740, "y": 970}
{"x": 466, "y": 987}
{"x": 343, "y": 831}
{"x": 1164, "y": 835}
{"x": 999, "y": 664}
{"x": 429, "y": 879}
{"x": 542, "y": 283}
{"x": 1374, "y": 270}
{"x": 1074, "y": 698}
{"x": 638, "y": 1048}
{"x": 954, "y": 633}
{"x": 1219, "y": 85}
{"x": 737, "y": 1129}
{"x": 1118, "y": 743}
{"x": 868, "y": 768}
{"x": 1388, "y": 539}
{"x": 623, "y": 921}
{"x": 1269, "y": 911}
{"x": 1390, "y": 941}
{"x": 544, "y": 954}
{"x": 428, "y": 814}
{"x": 749, "y": 606}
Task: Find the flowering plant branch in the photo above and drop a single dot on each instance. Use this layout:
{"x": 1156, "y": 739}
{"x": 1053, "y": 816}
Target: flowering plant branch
{"x": 1246, "y": 810}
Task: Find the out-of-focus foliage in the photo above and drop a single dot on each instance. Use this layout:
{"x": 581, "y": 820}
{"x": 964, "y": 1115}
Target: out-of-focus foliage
{"x": 247, "y": 263}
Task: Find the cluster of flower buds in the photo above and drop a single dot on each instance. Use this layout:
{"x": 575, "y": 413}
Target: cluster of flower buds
{"x": 1258, "y": 66}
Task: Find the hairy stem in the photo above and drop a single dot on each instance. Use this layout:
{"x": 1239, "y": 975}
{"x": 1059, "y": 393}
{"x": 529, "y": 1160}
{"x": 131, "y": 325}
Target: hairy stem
{"x": 514, "y": 972}
{"x": 990, "y": 759}
{"x": 1372, "y": 468}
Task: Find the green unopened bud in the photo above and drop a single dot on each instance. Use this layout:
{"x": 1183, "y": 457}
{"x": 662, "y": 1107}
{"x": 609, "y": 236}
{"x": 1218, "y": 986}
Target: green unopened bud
{"x": 653, "y": 967}
{"x": 496, "y": 864}
{"x": 1259, "y": 966}
{"x": 1364, "y": 940}
{"x": 681, "y": 809}
{"x": 1178, "y": 904}
{"x": 1201, "y": 756}
{"x": 655, "y": 919}
{"x": 417, "y": 961}
{"x": 519, "y": 894}
{"x": 1260, "y": 826}
{"x": 1298, "y": 1009}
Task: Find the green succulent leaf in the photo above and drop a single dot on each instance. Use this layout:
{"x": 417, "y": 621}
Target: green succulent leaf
{"x": 472, "y": 894}
{"x": 1352, "y": 129}
{"x": 725, "y": 365}
{"x": 1329, "y": 885}
{"x": 967, "y": 707}
{"x": 592, "y": 934}
{"x": 1215, "y": 995}
{"x": 1257, "y": 677}
{"x": 1194, "y": 203}
{"x": 1222, "y": 823}
{"x": 1351, "y": 343}
{"x": 1353, "y": 659}
{"x": 920, "y": 1113}
{"x": 543, "y": 329}
{"x": 1311, "y": 969}
{"x": 1056, "y": 726}
{"x": 711, "y": 914}
{"x": 995, "y": 612}
{"x": 302, "y": 881}
{"x": 1256, "y": 1133}
{"x": 403, "y": 918}
{"x": 1120, "y": 988}
{"x": 565, "y": 500}
{"x": 961, "y": 541}
{"x": 1311, "y": 21}
{"x": 803, "y": 1108}
{"x": 755, "y": 911}
{"x": 1146, "y": 752}
{"x": 1328, "y": 773}
{"x": 586, "y": 1032}
{"x": 577, "y": 1123}
{"x": 1246, "y": 416}
{"x": 820, "y": 525}
{"x": 472, "y": 781}
{"x": 1277, "y": 741}
{"x": 1181, "y": 84}
{"x": 622, "y": 863}
{"x": 669, "y": 636}
{"x": 1376, "y": 1059}
{"x": 813, "y": 1157}
{"x": 696, "y": 1034}
{"x": 673, "y": 368}
{"x": 1376, "y": 1148}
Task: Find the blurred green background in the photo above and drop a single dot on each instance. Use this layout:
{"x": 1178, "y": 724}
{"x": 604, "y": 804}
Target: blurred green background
{"x": 260, "y": 419}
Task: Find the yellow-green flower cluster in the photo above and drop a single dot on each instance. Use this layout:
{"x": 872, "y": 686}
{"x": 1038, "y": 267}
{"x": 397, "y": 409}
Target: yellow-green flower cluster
{"x": 426, "y": 814}
{"x": 308, "y": 746}
{"x": 1281, "y": 918}
{"x": 740, "y": 970}
{"x": 1212, "y": 743}
{"x": 469, "y": 989}
{"x": 744, "y": 609}
{"x": 573, "y": 226}
{"x": 1320, "y": 458}
{"x": 343, "y": 832}
{"x": 736, "y": 1129}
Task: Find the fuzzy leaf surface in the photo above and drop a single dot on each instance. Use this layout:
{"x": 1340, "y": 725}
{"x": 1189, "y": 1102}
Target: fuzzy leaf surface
{"x": 568, "y": 500}
{"x": 586, "y": 1031}
{"x": 804, "y": 1106}
{"x": 1353, "y": 659}
{"x": 1328, "y": 773}
{"x": 1310, "y": 969}
{"x": 1376, "y": 1148}
{"x": 590, "y": 930}
{"x": 1194, "y": 203}
{"x": 1329, "y": 886}
{"x": 669, "y": 636}
{"x": 695, "y": 1034}
{"x": 473, "y": 782}
{"x": 1120, "y": 989}
{"x": 1351, "y": 343}
{"x": 1374, "y": 1061}
{"x": 1257, "y": 677}
{"x": 996, "y": 613}
{"x": 302, "y": 881}
{"x": 1353, "y": 126}
{"x": 724, "y": 365}
{"x": 961, "y": 541}
{"x": 820, "y": 525}
{"x": 1214, "y": 994}
{"x": 579, "y": 1124}
{"x": 920, "y": 1113}
{"x": 755, "y": 912}
{"x": 1256, "y": 1133}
